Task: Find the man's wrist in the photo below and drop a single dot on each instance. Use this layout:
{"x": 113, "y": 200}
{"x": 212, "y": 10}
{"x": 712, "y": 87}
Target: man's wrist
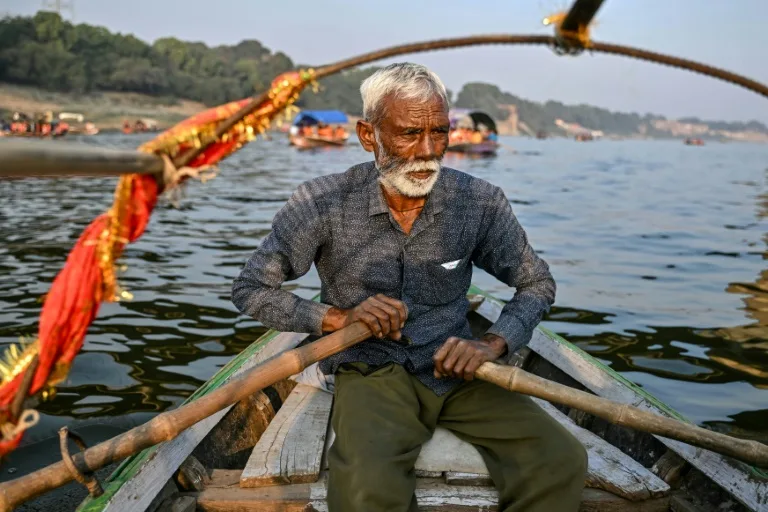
{"x": 334, "y": 319}
{"x": 496, "y": 343}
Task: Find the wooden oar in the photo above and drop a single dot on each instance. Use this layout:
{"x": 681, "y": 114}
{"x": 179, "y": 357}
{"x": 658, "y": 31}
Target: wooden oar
{"x": 169, "y": 424}
{"x": 520, "y": 381}
{"x": 47, "y": 159}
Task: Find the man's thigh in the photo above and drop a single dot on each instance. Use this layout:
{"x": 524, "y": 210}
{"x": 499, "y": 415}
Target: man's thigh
{"x": 514, "y": 435}
{"x": 377, "y": 414}
{"x": 378, "y": 439}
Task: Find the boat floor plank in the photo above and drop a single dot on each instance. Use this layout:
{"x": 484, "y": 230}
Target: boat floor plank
{"x": 445, "y": 452}
{"x": 224, "y": 495}
{"x": 729, "y": 474}
{"x": 609, "y": 468}
{"x": 290, "y": 450}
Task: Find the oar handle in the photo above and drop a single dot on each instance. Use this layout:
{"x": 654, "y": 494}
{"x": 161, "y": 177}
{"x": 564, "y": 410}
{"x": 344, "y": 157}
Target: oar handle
{"x": 520, "y": 381}
{"x": 45, "y": 159}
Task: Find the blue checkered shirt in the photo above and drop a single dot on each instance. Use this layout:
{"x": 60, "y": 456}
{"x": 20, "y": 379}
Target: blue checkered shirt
{"x": 341, "y": 222}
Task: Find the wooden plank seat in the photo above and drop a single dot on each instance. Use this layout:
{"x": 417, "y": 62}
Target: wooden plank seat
{"x": 292, "y": 451}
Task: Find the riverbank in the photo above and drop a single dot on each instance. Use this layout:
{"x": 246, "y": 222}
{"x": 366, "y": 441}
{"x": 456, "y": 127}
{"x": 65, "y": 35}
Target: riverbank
{"x": 107, "y": 110}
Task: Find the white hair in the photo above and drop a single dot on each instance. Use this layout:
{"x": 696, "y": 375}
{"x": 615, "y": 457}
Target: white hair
{"x": 404, "y": 79}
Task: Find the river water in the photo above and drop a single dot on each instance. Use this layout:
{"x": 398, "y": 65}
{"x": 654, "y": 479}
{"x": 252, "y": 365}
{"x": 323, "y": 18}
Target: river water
{"x": 658, "y": 250}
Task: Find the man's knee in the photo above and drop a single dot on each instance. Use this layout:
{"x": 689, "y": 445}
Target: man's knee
{"x": 565, "y": 457}
{"x": 370, "y": 481}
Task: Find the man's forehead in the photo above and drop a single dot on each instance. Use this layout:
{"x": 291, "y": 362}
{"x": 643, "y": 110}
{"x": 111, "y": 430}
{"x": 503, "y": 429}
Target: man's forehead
{"x": 396, "y": 107}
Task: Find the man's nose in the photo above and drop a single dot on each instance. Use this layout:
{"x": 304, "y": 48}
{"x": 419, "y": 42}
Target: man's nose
{"x": 426, "y": 149}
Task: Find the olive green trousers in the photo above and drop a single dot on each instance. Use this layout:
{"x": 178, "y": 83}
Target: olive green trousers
{"x": 382, "y": 418}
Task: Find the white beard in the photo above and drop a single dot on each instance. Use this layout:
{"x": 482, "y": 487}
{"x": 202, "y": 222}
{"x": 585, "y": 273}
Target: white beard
{"x": 394, "y": 173}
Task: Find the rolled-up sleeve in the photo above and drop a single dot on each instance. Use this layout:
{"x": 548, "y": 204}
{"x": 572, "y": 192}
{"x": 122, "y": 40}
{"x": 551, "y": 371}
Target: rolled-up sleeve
{"x": 504, "y": 252}
{"x": 287, "y": 253}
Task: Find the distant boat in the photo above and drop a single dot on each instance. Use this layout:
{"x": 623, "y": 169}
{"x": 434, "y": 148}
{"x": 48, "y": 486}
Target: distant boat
{"x": 581, "y": 137}
{"x": 140, "y": 126}
{"x": 472, "y": 132}
{"x": 541, "y": 134}
{"x": 318, "y": 128}
{"x": 41, "y": 127}
{"x": 693, "y": 142}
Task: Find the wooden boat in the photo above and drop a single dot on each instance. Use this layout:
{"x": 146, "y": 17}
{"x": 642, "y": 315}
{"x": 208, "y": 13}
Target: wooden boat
{"x": 318, "y": 128}
{"x": 36, "y": 135}
{"x": 693, "y": 142}
{"x": 472, "y": 132}
{"x": 267, "y": 453}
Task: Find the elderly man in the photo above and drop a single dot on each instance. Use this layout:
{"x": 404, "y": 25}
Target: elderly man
{"x": 394, "y": 242}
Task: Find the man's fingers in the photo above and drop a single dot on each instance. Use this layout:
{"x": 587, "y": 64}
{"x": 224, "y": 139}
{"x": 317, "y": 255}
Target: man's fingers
{"x": 397, "y": 304}
{"x": 381, "y": 315}
{"x": 477, "y": 360}
{"x": 392, "y": 313}
{"x": 453, "y": 356}
{"x": 372, "y": 322}
{"x": 462, "y": 361}
{"x": 442, "y": 352}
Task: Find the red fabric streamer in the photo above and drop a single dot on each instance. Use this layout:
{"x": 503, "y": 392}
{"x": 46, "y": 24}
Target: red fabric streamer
{"x": 87, "y": 278}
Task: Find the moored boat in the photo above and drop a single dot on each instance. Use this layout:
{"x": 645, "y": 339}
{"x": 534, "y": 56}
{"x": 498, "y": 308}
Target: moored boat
{"x": 318, "y": 128}
{"x": 472, "y": 132}
{"x": 693, "y": 142}
{"x": 40, "y": 127}
{"x": 267, "y": 452}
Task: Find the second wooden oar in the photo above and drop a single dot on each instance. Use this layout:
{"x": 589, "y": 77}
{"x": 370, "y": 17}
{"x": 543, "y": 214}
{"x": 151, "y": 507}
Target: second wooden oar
{"x": 58, "y": 159}
{"x": 520, "y": 381}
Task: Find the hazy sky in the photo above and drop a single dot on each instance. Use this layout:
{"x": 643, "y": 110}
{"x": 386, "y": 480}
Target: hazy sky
{"x": 729, "y": 34}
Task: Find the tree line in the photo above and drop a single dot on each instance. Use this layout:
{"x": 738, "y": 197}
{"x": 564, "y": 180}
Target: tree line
{"x": 49, "y": 52}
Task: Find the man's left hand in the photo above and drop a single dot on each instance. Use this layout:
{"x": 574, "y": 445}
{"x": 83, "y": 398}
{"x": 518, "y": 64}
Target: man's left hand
{"x": 460, "y": 358}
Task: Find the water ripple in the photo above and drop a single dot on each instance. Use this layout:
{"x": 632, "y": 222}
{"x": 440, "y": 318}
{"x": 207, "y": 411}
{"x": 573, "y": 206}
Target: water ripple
{"x": 658, "y": 250}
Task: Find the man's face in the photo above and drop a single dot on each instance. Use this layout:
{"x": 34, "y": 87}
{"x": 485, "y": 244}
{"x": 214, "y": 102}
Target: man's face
{"x": 409, "y": 143}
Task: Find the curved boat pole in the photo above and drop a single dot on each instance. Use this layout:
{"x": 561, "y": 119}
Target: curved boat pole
{"x": 62, "y": 164}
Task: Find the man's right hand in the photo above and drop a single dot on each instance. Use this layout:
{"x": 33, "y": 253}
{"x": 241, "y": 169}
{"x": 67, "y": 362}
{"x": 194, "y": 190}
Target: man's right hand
{"x": 383, "y": 315}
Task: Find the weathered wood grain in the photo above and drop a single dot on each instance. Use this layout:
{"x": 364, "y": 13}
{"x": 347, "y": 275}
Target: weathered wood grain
{"x": 291, "y": 449}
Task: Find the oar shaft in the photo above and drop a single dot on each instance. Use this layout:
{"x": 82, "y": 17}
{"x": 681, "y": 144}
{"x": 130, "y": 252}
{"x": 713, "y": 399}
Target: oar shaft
{"x": 168, "y": 425}
{"x": 58, "y": 159}
{"x": 520, "y": 381}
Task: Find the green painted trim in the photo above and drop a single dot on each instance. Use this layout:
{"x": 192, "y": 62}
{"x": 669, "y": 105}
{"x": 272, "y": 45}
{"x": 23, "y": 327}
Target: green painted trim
{"x": 131, "y": 465}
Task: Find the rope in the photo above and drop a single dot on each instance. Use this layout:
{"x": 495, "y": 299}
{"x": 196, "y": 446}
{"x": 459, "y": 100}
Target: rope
{"x": 554, "y": 43}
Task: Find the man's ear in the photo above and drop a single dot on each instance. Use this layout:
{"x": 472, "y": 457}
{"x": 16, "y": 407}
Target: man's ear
{"x": 366, "y": 135}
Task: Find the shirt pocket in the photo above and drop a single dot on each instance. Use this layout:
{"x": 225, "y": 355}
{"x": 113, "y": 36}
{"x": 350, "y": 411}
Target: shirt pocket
{"x": 436, "y": 281}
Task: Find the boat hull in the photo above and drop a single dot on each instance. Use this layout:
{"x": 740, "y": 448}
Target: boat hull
{"x": 487, "y": 148}
{"x": 222, "y": 443}
{"x": 303, "y": 142}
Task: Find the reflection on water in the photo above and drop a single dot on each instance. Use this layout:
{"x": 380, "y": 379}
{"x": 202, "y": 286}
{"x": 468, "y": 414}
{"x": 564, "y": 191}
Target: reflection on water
{"x": 658, "y": 250}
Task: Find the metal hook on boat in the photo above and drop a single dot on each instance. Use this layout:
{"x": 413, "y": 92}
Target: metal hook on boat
{"x": 89, "y": 481}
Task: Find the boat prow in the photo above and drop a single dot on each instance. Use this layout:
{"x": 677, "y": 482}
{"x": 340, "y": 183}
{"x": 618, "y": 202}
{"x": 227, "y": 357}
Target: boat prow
{"x": 268, "y": 452}
{"x": 319, "y": 128}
